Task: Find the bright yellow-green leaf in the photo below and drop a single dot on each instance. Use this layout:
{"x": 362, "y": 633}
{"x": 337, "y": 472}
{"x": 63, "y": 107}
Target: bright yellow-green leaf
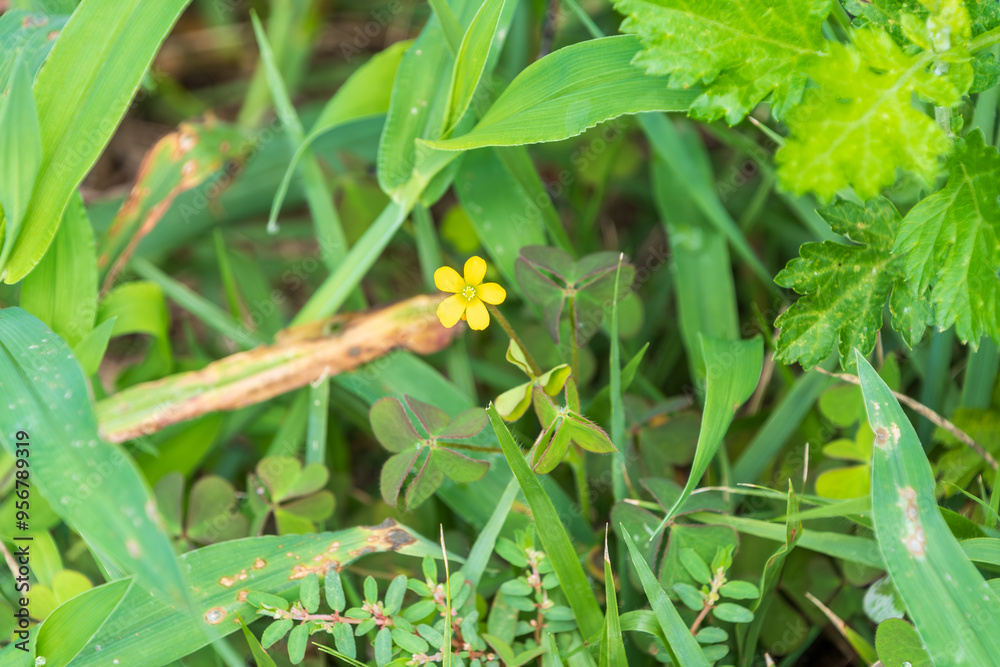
{"x": 742, "y": 51}
{"x": 858, "y": 124}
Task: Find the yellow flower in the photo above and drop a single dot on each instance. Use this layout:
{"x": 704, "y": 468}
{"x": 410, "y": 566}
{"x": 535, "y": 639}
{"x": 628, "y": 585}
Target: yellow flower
{"x": 471, "y": 294}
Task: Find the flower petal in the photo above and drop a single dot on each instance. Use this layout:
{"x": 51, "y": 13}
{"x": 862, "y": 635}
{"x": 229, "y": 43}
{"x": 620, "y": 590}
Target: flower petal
{"x": 447, "y": 279}
{"x": 475, "y": 270}
{"x": 491, "y": 293}
{"x": 477, "y": 315}
{"x": 451, "y": 310}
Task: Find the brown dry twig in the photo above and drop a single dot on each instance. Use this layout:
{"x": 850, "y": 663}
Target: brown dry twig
{"x": 301, "y": 355}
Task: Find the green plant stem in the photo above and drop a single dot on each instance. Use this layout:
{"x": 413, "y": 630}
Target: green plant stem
{"x": 574, "y": 346}
{"x": 535, "y": 368}
{"x": 579, "y": 465}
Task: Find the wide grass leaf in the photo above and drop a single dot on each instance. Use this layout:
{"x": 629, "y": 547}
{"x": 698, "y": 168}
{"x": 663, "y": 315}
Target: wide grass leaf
{"x": 20, "y": 154}
{"x": 82, "y": 94}
{"x": 470, "y": 60}
{"x": 567, "y": 92}
{"x": 68, "y": 629}
{"x": 555, "y": 540}
{"x": 62, "y": 290}
{"x": 949, "y": 602}
{"x": 93, "y": 485}
{"x": 146, "y": 630}
{"x": 732, "y": 369}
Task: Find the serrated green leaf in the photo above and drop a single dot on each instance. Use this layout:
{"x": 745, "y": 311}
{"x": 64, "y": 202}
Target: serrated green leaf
{"x": 741, "y": 51}
{"x": 952, "y": 243}
{"x": 858, "y": 124}
{"x": 844, "y": 287}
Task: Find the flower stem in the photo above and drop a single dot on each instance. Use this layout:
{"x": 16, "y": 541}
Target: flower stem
{"x": 535, "y": 368}
{"x": 574, "y": 347}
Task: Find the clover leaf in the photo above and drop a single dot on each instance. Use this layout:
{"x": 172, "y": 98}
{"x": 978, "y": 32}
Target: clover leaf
{"x": 425, "y": 454}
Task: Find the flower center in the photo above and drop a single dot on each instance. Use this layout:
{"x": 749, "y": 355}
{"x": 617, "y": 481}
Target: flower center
{"x": 468, "y": 293}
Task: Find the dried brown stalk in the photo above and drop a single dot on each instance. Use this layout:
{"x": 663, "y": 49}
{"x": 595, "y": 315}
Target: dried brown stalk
{"x": 300, "y": 356}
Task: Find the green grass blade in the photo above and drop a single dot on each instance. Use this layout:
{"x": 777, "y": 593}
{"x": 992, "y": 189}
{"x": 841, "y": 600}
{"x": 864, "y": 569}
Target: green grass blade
{"x": 20, "y": 154}
{"x": 334, "y": 291}
{"x": 732, "y": 369}
{"x": 667, "y": 145}
{"x": 82, "y": 94}
{"x": 62, "y": 290}
{"x": 470, "y": 61}
{"x": 319, "y": 413}
{"x": 617, "y": 403}
{"x": 260, "y": 656}
{"x": 949, "y": 602}
{"x": 365, "y": 94}
{"x": 769, "y": 581}
{"x": 95, "y": 486}
{"x": 68, "y": 629}
{"x": 329, "y": 231}
{"x": 481, "y": 550}
{"x": 449, "y": 23}
{"x": 784, "y": 420}
{"x": 567, "y": 92}
{"x": 706, "y": 297}
{"x": 206, "y": 311}
{"x": 612, "y": 648}
{"x": 680, "y": 642}
{"x": 557, "y": 545}
{"x": 854, "y": 548}
{"x": 146, "y": 630}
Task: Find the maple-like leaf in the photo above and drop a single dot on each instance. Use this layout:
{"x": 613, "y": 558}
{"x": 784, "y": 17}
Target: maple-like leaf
{"x": 952, "y": 243}
{"x": 859, "y": 124}
{"x": 845, "y": 287}
{"x": 740, "y": 50}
